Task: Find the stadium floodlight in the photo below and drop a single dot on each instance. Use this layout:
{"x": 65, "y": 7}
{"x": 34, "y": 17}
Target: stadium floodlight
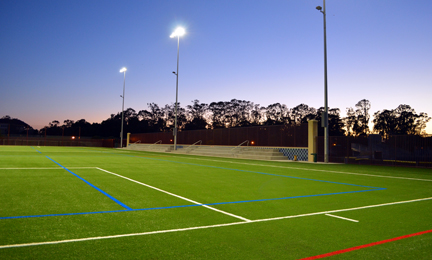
{"x": 180, "y": 31}
{"x": 324, "y": 117}
{"x": 124, "y": 81}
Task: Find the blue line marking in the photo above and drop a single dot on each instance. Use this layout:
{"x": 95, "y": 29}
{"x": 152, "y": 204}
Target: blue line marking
{"x": 186, "y": 206}
{"x": 36, "y": 150}
{"x": 93, "y": 186}
{"x": 231, "y": 169}
{"x": 128, "y": 209}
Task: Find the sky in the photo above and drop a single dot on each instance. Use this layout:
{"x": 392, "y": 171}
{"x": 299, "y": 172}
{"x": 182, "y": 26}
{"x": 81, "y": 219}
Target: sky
{"x": 61, "y": 59}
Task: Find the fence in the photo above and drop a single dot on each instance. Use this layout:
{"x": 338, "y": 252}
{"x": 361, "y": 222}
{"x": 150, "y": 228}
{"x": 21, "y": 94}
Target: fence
{"x": 56, "y": 141}
{"x": 405, "y": 150}
{"x": 275, "y": 136}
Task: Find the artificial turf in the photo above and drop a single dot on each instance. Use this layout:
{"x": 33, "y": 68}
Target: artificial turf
{"x": 120, "y": 204}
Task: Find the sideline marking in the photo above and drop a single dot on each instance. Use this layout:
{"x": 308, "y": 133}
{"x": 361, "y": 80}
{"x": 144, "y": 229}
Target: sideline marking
{"x": 305, "y": 169}
{"x": 93, "y": 186}
{"x": 334, "y": 216}
{"x": 175, "y": 195}
{"x": 366, "y": 245}
{"x": 206, "y": 227}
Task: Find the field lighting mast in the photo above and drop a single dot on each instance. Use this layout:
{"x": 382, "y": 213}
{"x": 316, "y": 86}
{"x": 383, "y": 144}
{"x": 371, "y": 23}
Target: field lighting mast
{"x": 124, "y": 81}
{"x": 177, "y": 33}
{"x": 324, "y": 117}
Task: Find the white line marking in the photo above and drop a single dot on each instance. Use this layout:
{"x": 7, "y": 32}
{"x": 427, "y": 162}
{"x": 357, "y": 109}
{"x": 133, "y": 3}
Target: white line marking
{"x": 342, "y": 210}
{"x": 306, "y": 169}
{"x": 175, "y": 195}
{"x": 334, "y": 216}
{"x": 205, "y": 227}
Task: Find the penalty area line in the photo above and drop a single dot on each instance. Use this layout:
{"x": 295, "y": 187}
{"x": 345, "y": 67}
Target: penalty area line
{"x": 334, "y": 216}
{"x": 177, "y": 196}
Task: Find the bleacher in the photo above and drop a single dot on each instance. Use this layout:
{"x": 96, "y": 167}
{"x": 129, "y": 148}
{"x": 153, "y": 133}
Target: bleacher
{"x": 242, "y": 152}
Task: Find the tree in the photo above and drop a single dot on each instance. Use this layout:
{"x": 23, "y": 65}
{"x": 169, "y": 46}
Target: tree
{"x": 169, "y": 116}
{"x": 257, "y": 115}
{"x": 401, "y": 121}
{"x": 217, "y": 110}
{"x": 238, "y": 113}
{"x": 357, "y": 121}
{"x": 362, "y": 112}
{"x": 335, "y": 122}
{"x": 277, "y": 114}
{"x": 15, "y": 126}
{"x": 155, "y": 118}
{"x": 196, "y": 114}
{"x": 302, "y": 113}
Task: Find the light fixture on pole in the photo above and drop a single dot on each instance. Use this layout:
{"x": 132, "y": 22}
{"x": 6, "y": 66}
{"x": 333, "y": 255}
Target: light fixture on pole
{"x": 324, "y": 117}
{"x": 177, "y": 33}
{"x": 124, "y": 81}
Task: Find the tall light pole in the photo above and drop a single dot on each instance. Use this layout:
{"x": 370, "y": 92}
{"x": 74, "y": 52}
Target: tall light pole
{"x": 177, "y": 33}
{"x": 123, "y": 96}
{"x": 324, "y": 117}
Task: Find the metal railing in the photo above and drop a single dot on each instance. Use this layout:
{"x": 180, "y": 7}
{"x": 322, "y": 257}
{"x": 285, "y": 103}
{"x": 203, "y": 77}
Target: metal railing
{"x": 236, "y": 150}
{"x": 152, "y": 145}
{"x": 190, "y": 147}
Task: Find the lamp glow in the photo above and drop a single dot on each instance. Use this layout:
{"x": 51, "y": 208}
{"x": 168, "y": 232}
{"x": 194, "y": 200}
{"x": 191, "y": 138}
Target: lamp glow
{"x": 123, "y": 69}
{"x": 180, "y": 31}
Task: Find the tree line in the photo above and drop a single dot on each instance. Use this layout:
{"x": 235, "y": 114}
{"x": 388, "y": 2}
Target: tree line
{"x": 402, "y": 120}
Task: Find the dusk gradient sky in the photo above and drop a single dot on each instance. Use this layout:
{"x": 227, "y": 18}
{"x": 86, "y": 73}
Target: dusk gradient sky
{"x": 61, "y": 59}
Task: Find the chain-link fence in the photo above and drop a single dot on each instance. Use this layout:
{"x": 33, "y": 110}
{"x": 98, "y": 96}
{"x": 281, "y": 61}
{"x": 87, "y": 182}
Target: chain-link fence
{"x": 407, "y": 150}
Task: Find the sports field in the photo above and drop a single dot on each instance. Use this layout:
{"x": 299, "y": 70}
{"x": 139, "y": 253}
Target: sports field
{"x": 95, "y": 203}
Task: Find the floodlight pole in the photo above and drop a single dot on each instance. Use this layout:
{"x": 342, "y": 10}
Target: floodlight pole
{"x": 324, "y": 118}
{"x": 178, "y": 32}
{"x": 176, "y": 102}
{"x": 123, "y": 96}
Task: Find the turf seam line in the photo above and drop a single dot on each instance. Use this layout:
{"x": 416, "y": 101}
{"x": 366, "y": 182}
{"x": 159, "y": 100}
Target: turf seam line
{"x": 175, "y": 195}
{"x": 93, "y": 186}
{"x": 206, "y": 227}
{"x": 334, "y": 216}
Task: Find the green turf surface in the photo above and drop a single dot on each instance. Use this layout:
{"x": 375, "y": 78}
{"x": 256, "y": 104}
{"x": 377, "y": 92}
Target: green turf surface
{"x": 98, "y": 203}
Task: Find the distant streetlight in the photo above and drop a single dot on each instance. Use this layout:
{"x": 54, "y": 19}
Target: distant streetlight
{"x": 177, "y": 33}
{"x": 124, "y": 81}
{"x": 324, "y": 117}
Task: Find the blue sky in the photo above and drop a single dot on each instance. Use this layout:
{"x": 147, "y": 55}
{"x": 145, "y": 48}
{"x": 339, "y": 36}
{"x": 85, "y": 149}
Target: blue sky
{"x": 61, "y": 59}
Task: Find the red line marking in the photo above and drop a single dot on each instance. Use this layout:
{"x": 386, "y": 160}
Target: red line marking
{"x": 364, "y": 246}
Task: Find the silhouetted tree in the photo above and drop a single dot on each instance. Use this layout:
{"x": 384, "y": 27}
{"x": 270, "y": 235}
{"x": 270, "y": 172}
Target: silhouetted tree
{"x": 218, "y": 112}
{"x": 401, "y": 121}
{"x": 277, "y": 114}
{"x": 257, "y": 115}
{"x": 196, "y": 114}
{"x": 362, "y": 112}
{"x": 357, "y": 121}
{"x": 302, "y": 113}
{"x": 15, "y": 127}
